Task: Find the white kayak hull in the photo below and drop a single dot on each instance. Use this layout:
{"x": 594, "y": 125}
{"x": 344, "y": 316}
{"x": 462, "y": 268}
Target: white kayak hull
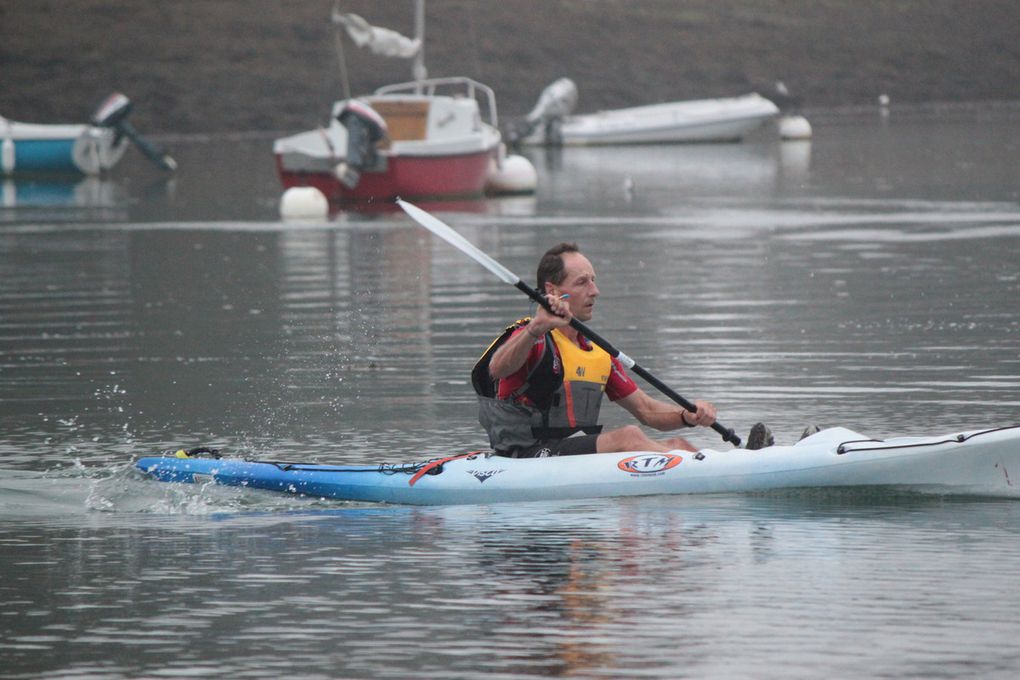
{"x": 978, "y": 463}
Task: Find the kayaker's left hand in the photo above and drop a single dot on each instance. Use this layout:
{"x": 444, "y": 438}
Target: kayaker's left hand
{"x": 704, "y": 416}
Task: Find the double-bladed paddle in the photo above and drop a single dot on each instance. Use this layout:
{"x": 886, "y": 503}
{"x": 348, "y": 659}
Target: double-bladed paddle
{"x": 445, "y": 232}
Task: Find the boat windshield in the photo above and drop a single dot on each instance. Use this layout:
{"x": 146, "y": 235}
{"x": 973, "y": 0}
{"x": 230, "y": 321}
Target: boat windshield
{"x": 454, "y": 86}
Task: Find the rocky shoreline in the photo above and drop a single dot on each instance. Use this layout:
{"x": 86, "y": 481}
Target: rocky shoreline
{"x": 264, "y": 65}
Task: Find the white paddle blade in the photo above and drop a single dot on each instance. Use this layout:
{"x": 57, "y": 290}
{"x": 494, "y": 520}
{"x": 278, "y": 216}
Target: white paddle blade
{"x": 445, "y": 232}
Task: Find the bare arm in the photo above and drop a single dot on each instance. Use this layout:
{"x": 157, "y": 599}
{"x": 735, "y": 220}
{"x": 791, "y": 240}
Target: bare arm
{"x": 509, "y": 358}
{"x": 665, "y": 416}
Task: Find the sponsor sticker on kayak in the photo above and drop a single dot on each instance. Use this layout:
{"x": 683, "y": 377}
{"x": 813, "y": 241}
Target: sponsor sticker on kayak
{"x": 649, "y": 463}
{"x": 482, "y": 475}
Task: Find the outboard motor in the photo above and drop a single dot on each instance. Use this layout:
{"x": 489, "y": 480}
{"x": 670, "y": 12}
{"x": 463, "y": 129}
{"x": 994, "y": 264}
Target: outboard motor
{"x": 555, "y": 103}
{"x": 782, "y": 98}
{"x": 365, "y": 129}
{"x": 113, "y": 113}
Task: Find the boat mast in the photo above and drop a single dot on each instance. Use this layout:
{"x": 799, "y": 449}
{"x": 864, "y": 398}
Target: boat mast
{"x": 418, "y": 69}
{"x": 338, "y": 45}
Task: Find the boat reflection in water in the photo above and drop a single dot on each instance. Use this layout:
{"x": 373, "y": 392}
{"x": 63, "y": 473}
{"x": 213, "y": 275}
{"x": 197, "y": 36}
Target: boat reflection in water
{"x": 497, "y": 206}
{"x": 639, "y": 173}
{"x": 64, "y": 199}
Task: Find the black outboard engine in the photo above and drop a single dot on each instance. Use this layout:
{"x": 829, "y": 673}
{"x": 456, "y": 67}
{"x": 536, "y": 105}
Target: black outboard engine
{"x": 113, "y": 113}
{"x": 365, "y": 129}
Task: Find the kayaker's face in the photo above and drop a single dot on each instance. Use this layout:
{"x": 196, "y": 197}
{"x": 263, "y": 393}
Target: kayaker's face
{"x": 579, "y": 283}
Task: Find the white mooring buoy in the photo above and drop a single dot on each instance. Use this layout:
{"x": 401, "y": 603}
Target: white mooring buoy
{"x": 303, "y": 203}
{"x": 513, "y": 174}
{"x": 794, "y": 127}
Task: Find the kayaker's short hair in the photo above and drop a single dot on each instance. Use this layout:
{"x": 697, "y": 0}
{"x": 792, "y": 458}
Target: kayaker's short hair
{"x": 551, "y": 268}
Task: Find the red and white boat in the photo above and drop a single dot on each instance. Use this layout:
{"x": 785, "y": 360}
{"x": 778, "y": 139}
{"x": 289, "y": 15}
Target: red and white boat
{"x": 404, "y": 140}
{"x": 432, "y": 138}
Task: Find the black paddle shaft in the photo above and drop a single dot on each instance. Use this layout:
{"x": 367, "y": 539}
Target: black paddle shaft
{"x": 727, "y": 433}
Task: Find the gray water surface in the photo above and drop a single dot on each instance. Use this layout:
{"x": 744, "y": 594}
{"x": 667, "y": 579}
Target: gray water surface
{"x": 868, "y": 279}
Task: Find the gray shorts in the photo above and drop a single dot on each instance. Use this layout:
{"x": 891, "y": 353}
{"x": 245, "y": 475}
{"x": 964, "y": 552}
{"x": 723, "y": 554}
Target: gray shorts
{"x": 571, "y": 446}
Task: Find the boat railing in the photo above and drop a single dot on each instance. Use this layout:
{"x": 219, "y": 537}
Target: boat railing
{"x": 430, "y": 87}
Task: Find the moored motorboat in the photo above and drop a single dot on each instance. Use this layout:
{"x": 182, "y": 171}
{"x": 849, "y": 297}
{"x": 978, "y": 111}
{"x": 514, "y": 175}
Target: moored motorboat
{"x": 418, "y": 143}
{"x": 976, "y": 462}
{"x": 705, "y": 120}
{"x": 58, "y": 148}
{"x": 84, "y": 149}
{"x": 431, "y": 138}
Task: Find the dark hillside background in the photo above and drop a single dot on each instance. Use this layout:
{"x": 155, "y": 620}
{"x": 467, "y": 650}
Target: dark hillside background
{"x": 244, "y": 65}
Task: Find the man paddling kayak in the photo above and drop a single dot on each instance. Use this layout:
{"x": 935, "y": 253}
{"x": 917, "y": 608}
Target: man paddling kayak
{"x": 540, "y": 384}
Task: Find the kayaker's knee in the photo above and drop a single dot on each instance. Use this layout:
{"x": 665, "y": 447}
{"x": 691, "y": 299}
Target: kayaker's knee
{"x": 678, "y": 444}
{"x": 633, "y": 438}
{"x": 626, "y": 438}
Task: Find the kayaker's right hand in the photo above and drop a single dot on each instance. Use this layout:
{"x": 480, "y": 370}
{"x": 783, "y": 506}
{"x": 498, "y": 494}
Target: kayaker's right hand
{"x": 704, "y": 416}
{"x": 514, "y": 352}
{"x": 546, "y": 321}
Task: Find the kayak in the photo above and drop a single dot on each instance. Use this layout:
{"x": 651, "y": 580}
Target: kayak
{"x": 978, "y": 462}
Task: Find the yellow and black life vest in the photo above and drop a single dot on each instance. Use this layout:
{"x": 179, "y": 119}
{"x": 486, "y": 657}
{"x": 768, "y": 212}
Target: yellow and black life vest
{"x": 565, "y": 389}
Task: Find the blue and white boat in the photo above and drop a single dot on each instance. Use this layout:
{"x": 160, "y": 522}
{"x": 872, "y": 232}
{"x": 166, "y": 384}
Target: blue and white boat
{"x": 34, "y": 147}
{"x": 90, "y": 148}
